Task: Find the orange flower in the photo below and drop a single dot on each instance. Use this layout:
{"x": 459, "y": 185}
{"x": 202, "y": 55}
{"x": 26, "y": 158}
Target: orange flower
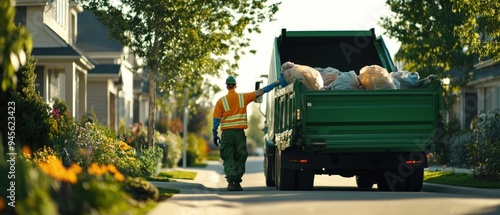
{"x": 26, "y": 151}
{"x": 55, "y": 169}
{"x": 75, "y": 168}
{"x": 95, "y": 169}
{"x": 112, "y": 168}
{"x": 119, "y": 176}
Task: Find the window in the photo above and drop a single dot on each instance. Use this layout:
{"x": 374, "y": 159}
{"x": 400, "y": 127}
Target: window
{"x": 61, "y": 12}
{"x": 56, "y": 84}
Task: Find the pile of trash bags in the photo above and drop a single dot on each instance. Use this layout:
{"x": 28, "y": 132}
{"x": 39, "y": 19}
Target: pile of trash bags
{"x": 371, "y": 77}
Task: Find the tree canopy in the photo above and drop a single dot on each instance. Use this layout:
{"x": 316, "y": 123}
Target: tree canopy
{"x": 183, "y": 42}
{"x": 426, "y": 30}
{"x": 480, "y": 32}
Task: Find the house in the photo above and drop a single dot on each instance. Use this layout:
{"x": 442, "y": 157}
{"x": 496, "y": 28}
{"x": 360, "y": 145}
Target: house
{"x": 481, "y": 94}
{"x": 61, "y": 68}
{"x": 77, "y": 61}
{"x": 110, "y": 84}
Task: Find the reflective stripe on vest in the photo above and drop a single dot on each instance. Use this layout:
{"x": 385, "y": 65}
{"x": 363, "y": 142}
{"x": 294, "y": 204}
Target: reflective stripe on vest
{"x": 235, "y": 120}
{"x": 241, "y": 101}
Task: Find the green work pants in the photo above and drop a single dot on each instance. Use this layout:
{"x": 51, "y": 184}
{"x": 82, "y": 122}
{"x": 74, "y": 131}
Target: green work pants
{"x": 233, "y": 151}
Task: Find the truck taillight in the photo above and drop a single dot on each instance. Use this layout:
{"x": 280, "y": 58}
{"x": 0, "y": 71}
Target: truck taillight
{"x": 298, "y": 161}
{"x": 413, "y": 162}
{"x": 298, "y": 114}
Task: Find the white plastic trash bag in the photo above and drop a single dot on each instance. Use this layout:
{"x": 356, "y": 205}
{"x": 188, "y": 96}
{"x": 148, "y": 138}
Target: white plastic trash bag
{"x": 329, "y": 75}
{"x": 406, "y": 79}
{"x": 346, "y": 81}
{"x": 375, "y": 77}
{"x": 309, "y": 76}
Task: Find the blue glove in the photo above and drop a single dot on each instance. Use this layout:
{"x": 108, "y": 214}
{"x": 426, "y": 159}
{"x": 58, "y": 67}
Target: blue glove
{"x": 269, "y": 87}
{"x": 216, "y": 122}
{"x": 282, "y": 81}
{"x": 216, "y": 138}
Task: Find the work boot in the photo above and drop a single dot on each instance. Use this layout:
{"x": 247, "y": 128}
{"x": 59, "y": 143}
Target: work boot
{"x": 238, "y": 186}
{"x": 231, "y": 186}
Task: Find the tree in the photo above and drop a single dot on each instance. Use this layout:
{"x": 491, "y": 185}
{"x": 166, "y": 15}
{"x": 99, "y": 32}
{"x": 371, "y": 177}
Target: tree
{"x": 480, "y": 32}
{"x": 14, "y": 43}
{"x": 254, "y": 130}
{"x": 426, "y": 32}
{"x": 182, "y": 42}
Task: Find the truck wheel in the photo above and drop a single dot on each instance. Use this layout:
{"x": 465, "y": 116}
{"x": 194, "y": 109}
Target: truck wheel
{"x": 305, "y": 179}
{"x": 269, "y": 170}
{"x": 416, "y": 180}
{"x": 390, "y": 180}
{"x": 364, "y": 181}
{"x": 285, "y": 178}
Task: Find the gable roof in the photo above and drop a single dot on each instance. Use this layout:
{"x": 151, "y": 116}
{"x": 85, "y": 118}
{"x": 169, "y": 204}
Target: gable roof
{"x": 94, "y": 36}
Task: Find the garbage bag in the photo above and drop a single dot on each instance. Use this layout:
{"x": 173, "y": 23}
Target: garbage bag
{"x": 406, "y": 79}
{"x": 309, "y": 76}
{"x": 375, "y": 77}
{"x": 329, "y": 75}
{"x": 346, "y": 81}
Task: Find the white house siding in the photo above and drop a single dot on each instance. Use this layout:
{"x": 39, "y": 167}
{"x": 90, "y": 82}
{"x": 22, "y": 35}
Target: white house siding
{"x": 41, "y": 35}
{"x": 97, "y": 99}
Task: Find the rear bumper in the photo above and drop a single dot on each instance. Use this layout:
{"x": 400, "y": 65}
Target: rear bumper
{"x": 357, "y": 162}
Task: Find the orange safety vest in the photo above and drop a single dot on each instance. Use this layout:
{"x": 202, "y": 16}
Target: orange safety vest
{"x": 232, "y": 110}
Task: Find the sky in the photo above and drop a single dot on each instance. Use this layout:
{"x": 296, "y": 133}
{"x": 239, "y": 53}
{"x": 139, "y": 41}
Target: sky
{"x": 309, "y": 15}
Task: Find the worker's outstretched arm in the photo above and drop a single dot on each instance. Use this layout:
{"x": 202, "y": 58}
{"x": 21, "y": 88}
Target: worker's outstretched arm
{"x": 281, "y": 81}
{"x": 216, "y": 122}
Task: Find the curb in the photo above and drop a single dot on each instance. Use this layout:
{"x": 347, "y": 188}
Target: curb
{"x": 430, "y": 187}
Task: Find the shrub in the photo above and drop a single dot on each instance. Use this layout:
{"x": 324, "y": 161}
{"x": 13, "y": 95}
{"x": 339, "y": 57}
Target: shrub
{"x": 485, "y": 145}
{"x": 196, "y": 151}
{"x": 173, "y": 147}
{"x": 141, "y": 190}
{"x": 458, "y": 151}
{"x": 31, "y": 115}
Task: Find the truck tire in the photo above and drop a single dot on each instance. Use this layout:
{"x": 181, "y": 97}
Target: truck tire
{"x": 390, "y": 180}
{"x": 364, "y": 181}
{"x": 415, "y": 181}
{"x": 305, "y": 179}
{"x": 269, "y": 170}
{"x": 285, "y": 178}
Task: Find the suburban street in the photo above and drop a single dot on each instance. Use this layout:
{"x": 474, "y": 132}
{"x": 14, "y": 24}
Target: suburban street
{"x": 331, "y": 195}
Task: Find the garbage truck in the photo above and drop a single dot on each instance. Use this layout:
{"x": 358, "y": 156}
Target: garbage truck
{"x": 380, "y": 137}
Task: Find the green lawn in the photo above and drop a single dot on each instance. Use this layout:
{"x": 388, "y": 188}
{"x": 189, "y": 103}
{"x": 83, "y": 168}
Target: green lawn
{"x": 458, "y": 179}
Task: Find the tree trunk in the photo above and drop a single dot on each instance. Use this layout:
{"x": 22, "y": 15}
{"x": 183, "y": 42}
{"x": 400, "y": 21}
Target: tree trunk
{"x": 152, "y": 107}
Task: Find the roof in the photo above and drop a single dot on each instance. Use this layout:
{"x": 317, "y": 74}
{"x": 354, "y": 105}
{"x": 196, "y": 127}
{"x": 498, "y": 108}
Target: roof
{"x": 56, "y": 51}
{"x": 113, "y": 69}
{"x": 93, "y": 36}
{"x": 487, "y": 72}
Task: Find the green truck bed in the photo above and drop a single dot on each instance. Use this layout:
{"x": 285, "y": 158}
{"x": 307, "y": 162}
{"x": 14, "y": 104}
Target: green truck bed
{"x": 358, "y": 120}
{"x": 379, "y": 136}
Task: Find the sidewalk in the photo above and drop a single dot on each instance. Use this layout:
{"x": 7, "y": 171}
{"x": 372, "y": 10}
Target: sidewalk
{"x": 196, "y": 195}
{"x": 210, "y": 182}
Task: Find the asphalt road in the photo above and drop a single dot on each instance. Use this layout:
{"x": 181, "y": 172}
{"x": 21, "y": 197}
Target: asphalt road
{"x": 331, "y": 195}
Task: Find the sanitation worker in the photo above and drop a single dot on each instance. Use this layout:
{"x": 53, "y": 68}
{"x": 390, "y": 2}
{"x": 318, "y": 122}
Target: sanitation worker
{"x": 231, "y": 114}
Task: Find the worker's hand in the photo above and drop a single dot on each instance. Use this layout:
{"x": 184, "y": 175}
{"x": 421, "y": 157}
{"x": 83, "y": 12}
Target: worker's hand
{"x": 282, "y": 81}
{"x": 216, "y": 137}
{"x": 216, "y": 141}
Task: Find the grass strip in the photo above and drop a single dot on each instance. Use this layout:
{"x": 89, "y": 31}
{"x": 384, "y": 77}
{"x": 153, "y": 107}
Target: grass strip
{"x": 458, "y": 179}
